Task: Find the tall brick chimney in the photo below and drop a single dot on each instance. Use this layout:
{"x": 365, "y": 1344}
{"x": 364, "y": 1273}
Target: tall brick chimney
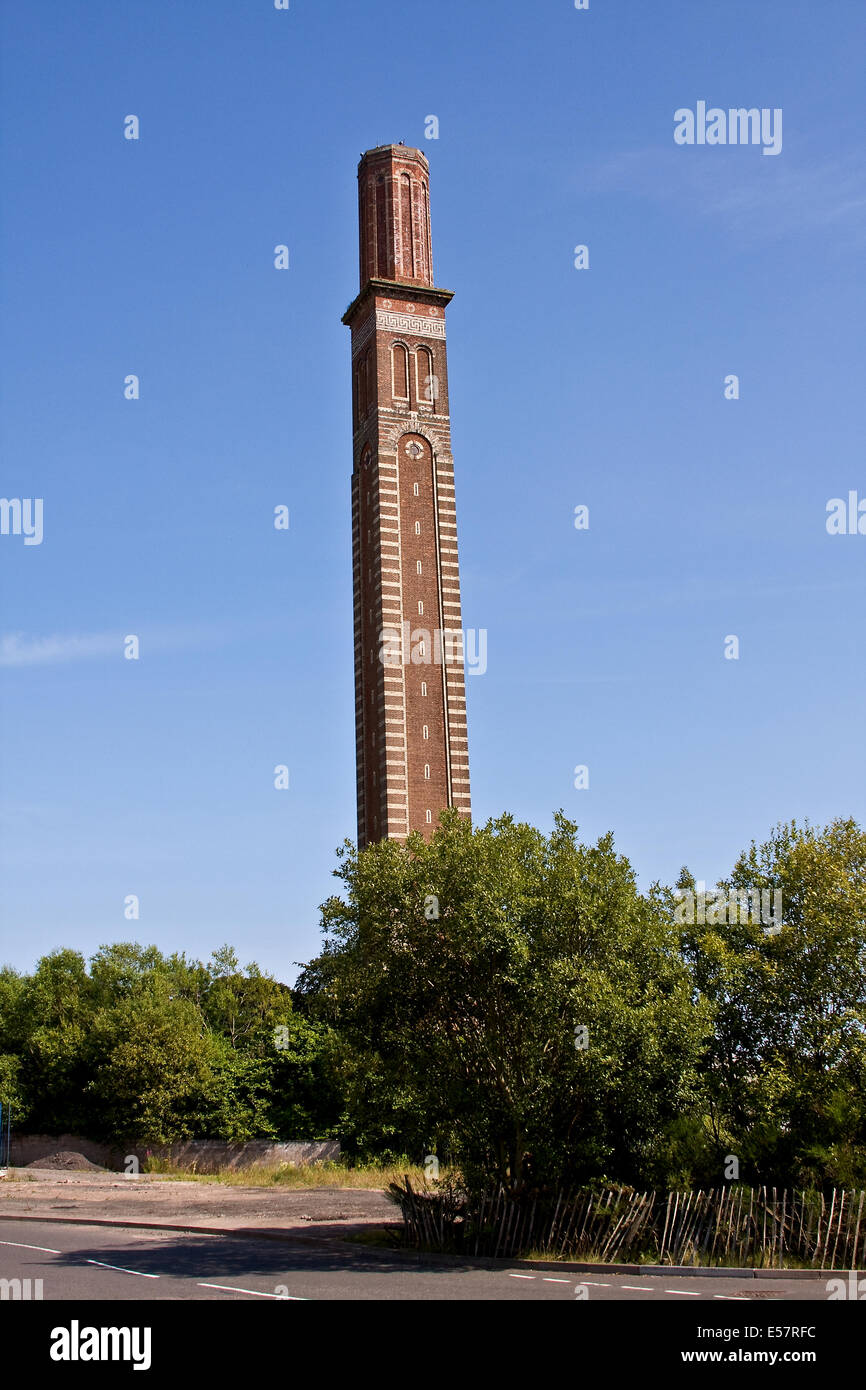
{"x": 410, "y": 700}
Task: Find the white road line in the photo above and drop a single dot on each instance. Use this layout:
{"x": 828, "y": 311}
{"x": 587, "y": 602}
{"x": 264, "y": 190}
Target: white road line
{"x": 636, "y": 1288}
{"x": 732, "y": 1297}
{"x": 521, "y": 1276}
{"x": 548, "y": 1279}
{"x": 120, "y": 1269}
{"x": 258, "y": 1293}
{"x": 596, "y": 1283}
{"x": 684, "y": 1293}
{"x": 20, "y": 1246}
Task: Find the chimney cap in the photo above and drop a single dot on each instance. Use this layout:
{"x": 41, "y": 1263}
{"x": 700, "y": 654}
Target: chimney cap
{"x": 400, "y": 151}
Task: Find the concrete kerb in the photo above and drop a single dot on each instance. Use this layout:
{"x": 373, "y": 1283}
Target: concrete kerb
{"x": 420, "y": 1256}
{"x": 244, "y": 1232}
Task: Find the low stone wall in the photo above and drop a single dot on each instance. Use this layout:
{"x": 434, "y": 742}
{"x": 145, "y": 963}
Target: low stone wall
{"x": 205, "y": 1155}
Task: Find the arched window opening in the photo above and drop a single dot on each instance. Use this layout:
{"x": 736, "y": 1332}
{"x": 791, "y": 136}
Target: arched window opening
{"x": 382, "y": 267}
{"x": 371, "y": 379}
{"x": 425, "y": 381}
{"x": 407, "y": 230}
{"x": 399, "y": 372}
{"x": 362, "y": 388}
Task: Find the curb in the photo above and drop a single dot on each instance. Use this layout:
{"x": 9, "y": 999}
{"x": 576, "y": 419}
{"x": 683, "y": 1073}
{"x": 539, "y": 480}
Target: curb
{"x": 484, "y": 1261}
{"x": 693, "y": 1271}
{"x": 134, "y": 1224}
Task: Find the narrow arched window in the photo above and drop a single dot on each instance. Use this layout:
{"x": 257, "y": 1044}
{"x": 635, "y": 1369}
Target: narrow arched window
{"x": 407, "y": 238}
{"x": 384, "y": 267}
{"x": 371, "y": 380}
{"x": 362, "y": 388}
{"x": 414, "y": 489}
{"x": 417, "y": 528}
{"x": 429, "y": 815}
{"x": 427, "y": 771}
{"x": 423, "y": 687}
{"x": 425, "y": 381}
{"x": 399, "y": 372}
{"x": 426, "y": 731}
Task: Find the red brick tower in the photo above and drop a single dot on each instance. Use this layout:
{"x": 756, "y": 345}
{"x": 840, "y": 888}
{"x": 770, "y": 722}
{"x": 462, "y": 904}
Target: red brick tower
{"x": 410, "y": 699}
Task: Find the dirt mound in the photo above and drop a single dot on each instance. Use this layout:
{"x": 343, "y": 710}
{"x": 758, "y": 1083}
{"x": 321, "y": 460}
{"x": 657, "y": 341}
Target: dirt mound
{"x": 68, "y": 1159}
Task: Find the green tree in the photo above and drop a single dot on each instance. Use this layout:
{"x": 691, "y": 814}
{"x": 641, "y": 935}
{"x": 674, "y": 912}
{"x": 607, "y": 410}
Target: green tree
{"x": 244, "y": 1007}
{"x": 123, "y": 971}
{"x": 12, "y": 1028}
{"x": 51, "y": 1021}
{"x": 151, "y": 1061}
{"x": 785, "y": 1078}
{"x": 461, "y": 973}
{"x": 143, "y": 1047}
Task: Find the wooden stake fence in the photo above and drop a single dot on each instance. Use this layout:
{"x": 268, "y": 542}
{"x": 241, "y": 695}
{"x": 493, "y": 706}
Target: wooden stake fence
{"x": 761, "y": 1227}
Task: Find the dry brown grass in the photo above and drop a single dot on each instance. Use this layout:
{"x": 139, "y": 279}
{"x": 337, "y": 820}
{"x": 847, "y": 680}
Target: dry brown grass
{"x": 301, "y": 1175}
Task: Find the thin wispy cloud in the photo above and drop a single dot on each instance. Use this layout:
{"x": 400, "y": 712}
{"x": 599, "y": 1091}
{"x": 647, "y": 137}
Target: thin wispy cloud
{"x": 25, "y": 649}
{"x": 21, "y": 649}
{"x": 797, "y": 194}
{"x": 16, "y": 649}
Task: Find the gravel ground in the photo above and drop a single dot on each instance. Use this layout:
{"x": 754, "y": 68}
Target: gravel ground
{"x": 331, "y": 1211}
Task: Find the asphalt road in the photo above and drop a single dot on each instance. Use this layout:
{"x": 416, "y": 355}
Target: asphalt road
{"x": 93, "y": 1262}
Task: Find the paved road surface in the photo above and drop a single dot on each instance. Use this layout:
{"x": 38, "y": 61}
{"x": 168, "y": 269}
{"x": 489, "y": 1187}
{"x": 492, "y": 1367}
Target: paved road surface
{"x": 92, "y": 1262}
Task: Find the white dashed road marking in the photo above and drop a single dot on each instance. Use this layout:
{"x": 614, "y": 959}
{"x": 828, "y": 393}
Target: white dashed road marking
{"x": 121, "y": 1270}
{"x": 19, "y": 1245}
{"x": 595, "y": 1283}
{"x": 227, "y": 1288}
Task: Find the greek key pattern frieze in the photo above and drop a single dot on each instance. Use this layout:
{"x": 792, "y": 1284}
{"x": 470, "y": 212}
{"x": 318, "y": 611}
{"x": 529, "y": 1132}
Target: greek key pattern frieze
{"x": 410, "y": 323}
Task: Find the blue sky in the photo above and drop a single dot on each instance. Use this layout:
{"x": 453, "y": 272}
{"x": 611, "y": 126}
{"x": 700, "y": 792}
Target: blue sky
{"x": 602, "y": 387}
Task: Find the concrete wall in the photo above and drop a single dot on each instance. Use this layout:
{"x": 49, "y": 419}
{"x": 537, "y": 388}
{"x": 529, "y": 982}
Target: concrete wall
{"x": 26, "y": 1148}
{"x": 204, "y": 1154}
{"x": 208, "y": 1154}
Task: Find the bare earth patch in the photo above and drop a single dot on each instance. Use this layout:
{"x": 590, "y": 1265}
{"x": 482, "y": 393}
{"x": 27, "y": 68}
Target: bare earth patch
{"x": 327, "y": 1211}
